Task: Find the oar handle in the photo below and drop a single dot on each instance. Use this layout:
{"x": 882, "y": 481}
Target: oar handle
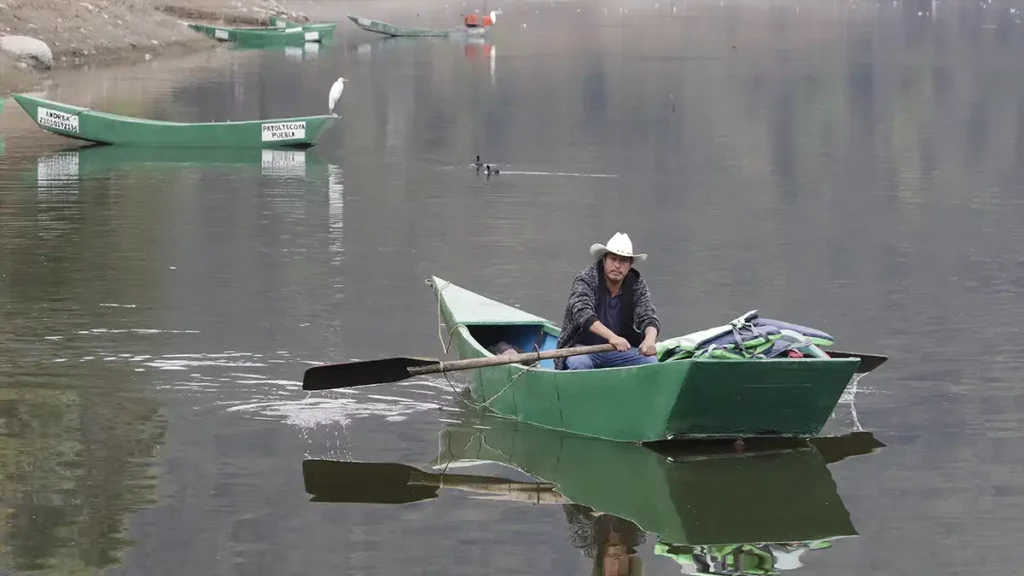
{"x": 500, "y": 360}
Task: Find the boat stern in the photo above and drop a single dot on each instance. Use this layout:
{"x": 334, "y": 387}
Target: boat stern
{"x": 759, "y": 398}
{"x": 318, "y": 125}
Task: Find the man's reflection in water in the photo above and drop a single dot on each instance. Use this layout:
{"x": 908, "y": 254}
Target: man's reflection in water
{"x": 739, "y": 559}
{"x": 608, "y": 540}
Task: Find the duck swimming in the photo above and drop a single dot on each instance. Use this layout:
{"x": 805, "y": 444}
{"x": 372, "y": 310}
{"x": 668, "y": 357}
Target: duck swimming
{"x": 492, "y": 170}
{"x": 478, "y": 164}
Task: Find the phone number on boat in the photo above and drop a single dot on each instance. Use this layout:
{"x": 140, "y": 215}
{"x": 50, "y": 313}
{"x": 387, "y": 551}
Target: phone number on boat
{"x": 57, "y": 120}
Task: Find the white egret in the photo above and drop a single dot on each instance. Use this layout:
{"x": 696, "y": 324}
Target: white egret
{"x": 336, "y": 89}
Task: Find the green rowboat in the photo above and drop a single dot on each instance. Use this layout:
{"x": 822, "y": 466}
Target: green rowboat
{"x": 100, "y": 127}
{"x": 693, "y": 398}
{"x": 387, "y": 29}
{"x": 256, "y": 37}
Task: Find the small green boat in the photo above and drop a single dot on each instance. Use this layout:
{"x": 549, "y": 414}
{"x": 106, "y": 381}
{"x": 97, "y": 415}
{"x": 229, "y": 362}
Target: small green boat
{"x": 692, "y": 398}
{"x": 100, "y": 127}
{"x": 387, "y": 29}
{"x": 257, "y": 37}
{"x": 776, "y": 493}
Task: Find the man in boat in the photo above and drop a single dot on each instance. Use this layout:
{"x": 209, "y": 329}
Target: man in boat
{"x": 610, "y": 303}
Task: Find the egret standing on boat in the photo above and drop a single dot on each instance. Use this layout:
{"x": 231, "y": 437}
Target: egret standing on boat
{"x": 336, "y": 89}
{"x": 610, "y": 302}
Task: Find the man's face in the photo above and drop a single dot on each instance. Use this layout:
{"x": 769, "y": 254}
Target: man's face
{"x": 616, "y": 267}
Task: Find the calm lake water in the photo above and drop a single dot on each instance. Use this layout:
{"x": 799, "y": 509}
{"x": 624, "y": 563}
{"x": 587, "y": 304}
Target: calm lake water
{"x": 853, "y": 166}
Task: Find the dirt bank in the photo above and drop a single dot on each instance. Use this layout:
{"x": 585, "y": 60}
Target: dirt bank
{"x": 113, "y": 31}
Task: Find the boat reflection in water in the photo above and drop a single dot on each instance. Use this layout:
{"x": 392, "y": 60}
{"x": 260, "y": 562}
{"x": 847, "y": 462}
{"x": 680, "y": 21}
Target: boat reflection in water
{"x": 713, "y": 509}
{"x": 69, "y": 166}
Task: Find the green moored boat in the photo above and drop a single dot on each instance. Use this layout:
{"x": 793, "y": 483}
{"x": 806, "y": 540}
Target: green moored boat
{"x": 388, "y": 29}
{"x": 257, "y": 37}
{"x": 103, "y": 128}
{"x": 698, "y": 499}
{"x": 688, "y": 398}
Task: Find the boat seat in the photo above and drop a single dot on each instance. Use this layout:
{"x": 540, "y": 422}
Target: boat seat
{"x": 521, "y": 338}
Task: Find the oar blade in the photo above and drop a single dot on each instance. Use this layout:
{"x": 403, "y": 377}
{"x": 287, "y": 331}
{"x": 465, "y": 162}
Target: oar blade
{"x": 361, "y": 373}
{"x": 363, "y": 482}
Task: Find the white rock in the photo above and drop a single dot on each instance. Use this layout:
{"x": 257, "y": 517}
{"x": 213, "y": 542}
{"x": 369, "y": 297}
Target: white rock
{"x": 27, "y": 48}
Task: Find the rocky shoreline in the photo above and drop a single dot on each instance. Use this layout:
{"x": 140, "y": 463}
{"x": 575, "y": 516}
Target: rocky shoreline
{"x": 98, "y": 32}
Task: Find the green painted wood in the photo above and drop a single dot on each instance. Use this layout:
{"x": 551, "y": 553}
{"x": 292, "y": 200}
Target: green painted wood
{"x": 100, "y": 127}
{"x": 689, "y": 398}
{"x": 260, "y": 37}
{"x": 465, "y": 307}
{"x": 326, "y": 29}
{"x": 388, "y": 29}
{"x": 698, "y": 498}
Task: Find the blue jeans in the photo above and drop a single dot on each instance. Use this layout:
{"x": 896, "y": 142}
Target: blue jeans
{"x": 616, "y": 359}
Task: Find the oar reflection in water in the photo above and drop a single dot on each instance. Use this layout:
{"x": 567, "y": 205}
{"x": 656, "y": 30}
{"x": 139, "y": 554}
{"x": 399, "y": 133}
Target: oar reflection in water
{"x": 394, "y": 483}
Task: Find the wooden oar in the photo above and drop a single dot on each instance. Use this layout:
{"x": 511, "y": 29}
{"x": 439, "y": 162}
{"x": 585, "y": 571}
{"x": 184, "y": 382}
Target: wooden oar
{"x": 385, "y": 370}
{"x": 366, "y": 372}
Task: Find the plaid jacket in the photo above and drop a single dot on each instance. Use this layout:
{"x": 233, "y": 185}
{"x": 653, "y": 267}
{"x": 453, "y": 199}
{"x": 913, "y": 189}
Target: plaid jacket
{"x": 638, "y": 311}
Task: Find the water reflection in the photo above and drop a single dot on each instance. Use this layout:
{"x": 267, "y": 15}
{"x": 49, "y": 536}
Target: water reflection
{"x": 308, "y": 51}
{"x": 73, "y": 468}
{"x": 63, "y": 170}
{"x": 609, "y": 541}
{"x": 740, "y": 559}
{"x": 474, "y": 49}
{"x": 57, "y": 172}
{"x": 336, "y": 212}
{"x": 710, "y": 508}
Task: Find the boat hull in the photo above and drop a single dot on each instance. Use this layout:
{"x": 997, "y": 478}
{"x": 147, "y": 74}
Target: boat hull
{"x": 258, "y": 37}
{"x": 99, "y": 127}
{"x": 703, "y": 398}
{"x": 388, "y": 29}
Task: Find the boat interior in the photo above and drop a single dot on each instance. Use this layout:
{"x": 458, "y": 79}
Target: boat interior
{"x": 495, "y": 338}
{"x": 522, "y": 337}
